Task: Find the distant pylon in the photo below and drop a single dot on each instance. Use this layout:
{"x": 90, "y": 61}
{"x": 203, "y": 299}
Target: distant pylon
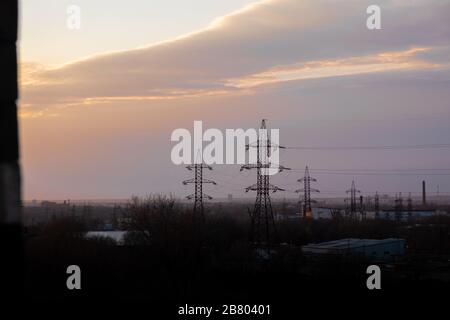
{"x": 198, "y": 182}
{"x": 409, "y": 206}
{"x": 368, "y": 204}
{"x": 362, "y": 208}
{"x": 377, "y": 205}
{"x": 262, "y": 218}
{"x": 353, "y": 191}
{"x": 306, "y": 209}
{"x": 398, "y": 207}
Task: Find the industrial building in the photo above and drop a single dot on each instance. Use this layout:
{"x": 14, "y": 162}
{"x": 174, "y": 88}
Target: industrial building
{"x": 117, "y": 236}
{"x": 372, "y": 249}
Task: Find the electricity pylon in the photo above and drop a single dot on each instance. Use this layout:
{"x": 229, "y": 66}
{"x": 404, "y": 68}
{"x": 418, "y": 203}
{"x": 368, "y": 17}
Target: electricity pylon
{"x": 398, "y": 206}
{"x": 409, "y": 206}
{"x": 198, "y": 182}
{"x": 377, "y": 205}
{"x": 307, "y": 210}
{"x": 362, "y": 209}
{"x": 262, "y": 218}
{"x": 353, "y": 191}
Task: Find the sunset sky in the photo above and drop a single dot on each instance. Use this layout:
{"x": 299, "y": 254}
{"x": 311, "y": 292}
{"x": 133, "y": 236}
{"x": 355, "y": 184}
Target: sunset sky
{"x": 98, "y": 104}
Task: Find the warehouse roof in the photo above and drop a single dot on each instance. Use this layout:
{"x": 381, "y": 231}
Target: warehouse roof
{"x": 350, "y": 243}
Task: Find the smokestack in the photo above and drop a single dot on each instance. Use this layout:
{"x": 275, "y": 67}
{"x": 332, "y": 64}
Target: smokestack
{"x": 424, "y": 194}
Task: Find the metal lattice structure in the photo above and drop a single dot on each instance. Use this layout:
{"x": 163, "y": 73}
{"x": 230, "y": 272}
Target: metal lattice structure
{"x": 198, "y": 182}
{"x": 409, "y": 206}
{"x": 262, "y": 217}
{"x": 351, "y": 212}
{"x": 362, "y": 208}
{"x": 306, "y": 207}
{"x": 398, "y": 207}
{"x": 377, "y": 205}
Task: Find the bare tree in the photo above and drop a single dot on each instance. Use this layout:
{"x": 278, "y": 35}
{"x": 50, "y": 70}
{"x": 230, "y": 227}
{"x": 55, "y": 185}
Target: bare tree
{"x": 152, "y": 220}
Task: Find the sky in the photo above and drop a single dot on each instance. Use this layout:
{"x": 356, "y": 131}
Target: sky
{"x": 98, "y": 104}
{"x": 111, "y": 25}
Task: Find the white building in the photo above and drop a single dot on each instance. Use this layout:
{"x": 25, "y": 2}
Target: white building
{"x": 117, "y": 236}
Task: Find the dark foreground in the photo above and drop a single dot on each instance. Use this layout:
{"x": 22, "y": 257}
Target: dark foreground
{"x": 167, "y": 262}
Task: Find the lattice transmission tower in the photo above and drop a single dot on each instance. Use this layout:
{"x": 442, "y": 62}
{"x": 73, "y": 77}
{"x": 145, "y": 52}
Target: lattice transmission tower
{"x": 362, "y": 208}
{"x": 398, "y": 207}
{"x": 377, "y": 205}
{"x": 198, "y": 182}
{"x": 262, "y": 217}
{"x": 409, "y": 206}
{"x": 306, "y": 207}
{"x": 352, "y": 209}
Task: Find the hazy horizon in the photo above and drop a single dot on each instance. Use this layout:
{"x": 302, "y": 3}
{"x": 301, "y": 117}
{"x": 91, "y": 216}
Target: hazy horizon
{"x": 98, "y": 105}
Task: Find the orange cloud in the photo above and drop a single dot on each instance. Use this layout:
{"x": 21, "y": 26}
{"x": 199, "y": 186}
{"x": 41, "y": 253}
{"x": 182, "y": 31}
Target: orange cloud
{"x": 263, "y": 43}
{"x": 381, "y": 62}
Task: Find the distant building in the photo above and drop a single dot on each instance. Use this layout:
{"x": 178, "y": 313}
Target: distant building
{"x": 48, "y": 204}
{"x": 321, "y": 213}
{"x": 230, "y": 197}
{"x": 108, "y": 227}
{"x": 372, "y": 249}
{"x": 316, "y": 213}
{"x": 404, "y": 215}
{"x": 327, "y": 213}
{"x": 117, "y": 236}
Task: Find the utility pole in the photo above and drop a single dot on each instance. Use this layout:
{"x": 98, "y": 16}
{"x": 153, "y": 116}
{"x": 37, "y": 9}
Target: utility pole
{"x": 198, "y": 182}
{"x": 353, "y": 191}
{"x": 306, "y": 209}
{"x": 262, "y": 218}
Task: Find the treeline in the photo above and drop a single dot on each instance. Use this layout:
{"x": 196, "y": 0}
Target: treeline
{"x": 168, "y": 252}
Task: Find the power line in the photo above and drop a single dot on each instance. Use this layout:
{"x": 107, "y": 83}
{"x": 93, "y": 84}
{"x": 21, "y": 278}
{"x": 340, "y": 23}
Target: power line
{"x": 393, "y": 170}
{"x": 379, "y": 172}
{"x": 382, "y": 174}
{"x": 388, "y": 147}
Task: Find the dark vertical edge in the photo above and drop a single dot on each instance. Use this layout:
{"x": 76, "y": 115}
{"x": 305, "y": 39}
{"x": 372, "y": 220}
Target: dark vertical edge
{"x": 11, "y": 242}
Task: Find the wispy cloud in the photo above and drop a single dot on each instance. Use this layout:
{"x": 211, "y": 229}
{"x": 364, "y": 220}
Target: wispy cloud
{"x": 382, "y": 62}
{"x": 270, "y": 42}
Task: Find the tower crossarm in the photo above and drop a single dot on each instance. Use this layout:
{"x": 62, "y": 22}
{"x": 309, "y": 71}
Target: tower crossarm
{"x": 209, "y": 181}
{"x": 264, "y": 144}
{"x": 198, "y": 166}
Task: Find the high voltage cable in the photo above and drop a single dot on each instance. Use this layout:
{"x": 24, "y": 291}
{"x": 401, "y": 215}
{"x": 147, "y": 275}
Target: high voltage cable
{"x": 383, "y": 170}
{"x": 391, "y": 147}
{"x": 369, "y": 172}
{"x": 379, "y": 172}
{"x": 382, "y": 174}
